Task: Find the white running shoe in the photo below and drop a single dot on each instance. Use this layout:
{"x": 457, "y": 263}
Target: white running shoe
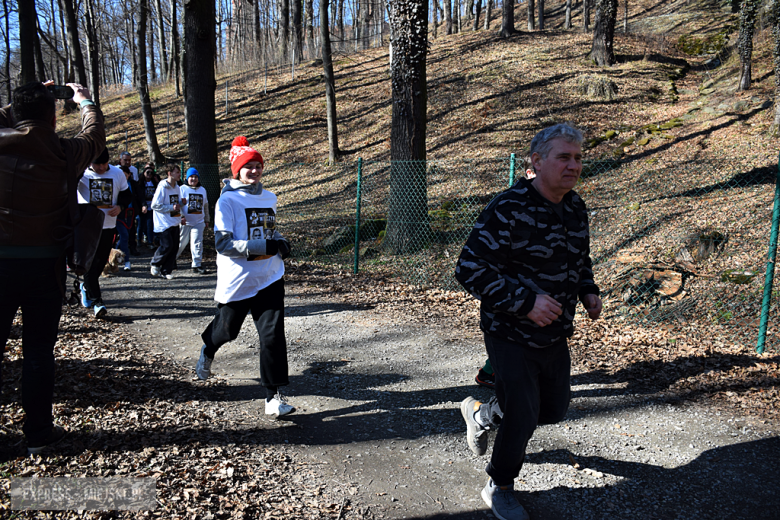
{"x": 169, "y": 276}
{"x": 127, "y": 266}
{"x": 278, "y": 406}
{"x": 203, "y": 368}
{"x": 155, "y": 271}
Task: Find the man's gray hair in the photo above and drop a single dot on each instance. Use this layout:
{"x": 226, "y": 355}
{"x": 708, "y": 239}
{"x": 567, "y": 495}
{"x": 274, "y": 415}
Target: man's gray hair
{"x": 541, "y": 142}
{"x": 125, "y": 153}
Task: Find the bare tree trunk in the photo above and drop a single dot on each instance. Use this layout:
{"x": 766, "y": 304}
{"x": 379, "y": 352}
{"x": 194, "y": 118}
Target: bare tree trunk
{"x": 531, "y": 14}
{"x": 74, "y": 46}
{"x": 448, "y": 16}
{"x": 540, "y": 6}
{"x": 27, "y": 24}
{"x": 488, "y": 5}
{"x": 586, "y": 5}
{"x": 309, "y": 24}
{"x": 747, "y": 22}
{"x": 367, "y": 16}
{"x": 456, "y": 16}
{"x": 7, "y": 51}
{"x": 92, "y": 52}
{"x": 469, "y": 9}
{"x": 175, "y": 58}
{"x": 143, "y": 88}
{"x": 567, "y": 22}
{"x": 625, "y": 17}
{"x": 435, "y": 4}
{"x": 40, "y": 66}
{"x": 508, "y": 18}
{"x": 774, "y": 23}
{"x": 477, "y": 12}
{"x": 408, "y": 212}
{"x": 150, "y": 33}
{"x": 341, "y": 19}
{"x": 330, "y": 85}
{"x": 284, "y": 28}
{"x": 297, "y": 28}
{"x": 161, "y": 39}
{"x": 602, "y": 51}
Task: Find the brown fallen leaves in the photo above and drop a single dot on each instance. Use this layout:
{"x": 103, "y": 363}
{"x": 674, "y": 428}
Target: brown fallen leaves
{"x": 134, "y": 413}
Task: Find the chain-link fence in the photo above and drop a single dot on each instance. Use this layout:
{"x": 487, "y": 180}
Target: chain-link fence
{"x": 680, "y": 244}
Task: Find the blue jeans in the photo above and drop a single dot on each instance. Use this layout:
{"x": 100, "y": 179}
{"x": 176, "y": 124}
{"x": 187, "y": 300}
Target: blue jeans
{"x": 35, "y": 285}
{"x": 124, "y": 240}
{"x": 146, "y": 227}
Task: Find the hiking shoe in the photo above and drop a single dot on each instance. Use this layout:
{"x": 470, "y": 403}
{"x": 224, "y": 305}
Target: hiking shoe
{"x": 476, "y": 435}
{"x": 503, "y": 503}
{"x": 100, "y": 310}
{"x": 56, "y": 435}
{"x": 168, "y": 276}
{"x": 127, "y": 266}
{"x": 485, "y": 379}
{"x": 155, "y": 271}
{"x": 278, "y": 406}
{"x": 85, "y": 302}
{"x": 203, "y": 368}
{"x": 199, "y": 270}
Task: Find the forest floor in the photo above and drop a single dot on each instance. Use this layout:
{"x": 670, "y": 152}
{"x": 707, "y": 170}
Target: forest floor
{"x": 662, "y": 424}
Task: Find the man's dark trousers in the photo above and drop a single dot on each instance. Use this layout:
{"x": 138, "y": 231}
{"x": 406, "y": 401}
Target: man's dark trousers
{"x": 92, "y": 277}
{"x": 532, "y": 387}
{"x": 33, "y": 285}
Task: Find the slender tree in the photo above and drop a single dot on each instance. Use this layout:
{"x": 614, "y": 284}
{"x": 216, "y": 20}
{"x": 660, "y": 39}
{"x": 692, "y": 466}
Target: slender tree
{"x": 284, "y": 28}
{"x": 508, "y": 18}
{"x": 488, "y": 5}
{"x": 531, "y": 15}
{"x": 540, "y": 7}
{"x": 74, "y": 45}
{"x": 92, "y": 51}
{"x": 40, "y": 65}
{"x": 477, "y": 12}
{"x": 330, "y": 85}
{"x": 602, "y": 52}
{"x": 408, "y": 212}
{"x": 448, "y": 16}
{"x": 567, "y": 21}
{"x": 175, "y": 58}
{"x": 297, "y": 28}
{"x": 586, "y": 5}
{"x": 774, "y": 23}
{"x": 747, "y": 23}
{"x": 143, "y": 86}
{"x": 161, "y": 39}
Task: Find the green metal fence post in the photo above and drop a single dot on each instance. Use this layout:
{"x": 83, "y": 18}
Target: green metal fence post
{"x": 770, "y": 267}
{"x": 511, "y": 170}
{"x": 357, "y": 213}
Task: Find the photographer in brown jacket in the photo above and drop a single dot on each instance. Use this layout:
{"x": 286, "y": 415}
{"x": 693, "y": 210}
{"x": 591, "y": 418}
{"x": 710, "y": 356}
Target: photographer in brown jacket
{"x": 34, "y": 221}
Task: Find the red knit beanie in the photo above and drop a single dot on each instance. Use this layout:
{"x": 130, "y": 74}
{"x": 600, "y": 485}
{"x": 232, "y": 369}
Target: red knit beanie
{"x": 241, "y": 153}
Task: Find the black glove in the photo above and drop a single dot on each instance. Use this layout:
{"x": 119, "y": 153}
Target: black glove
{"x": 284, "y": 248}
{"x": 271, "y": 247}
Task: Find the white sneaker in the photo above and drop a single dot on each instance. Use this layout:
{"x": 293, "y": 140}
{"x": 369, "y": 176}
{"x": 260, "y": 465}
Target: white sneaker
{"x": 203, "y": 368}
{"x": 127, "y": 266}
{"x": 155, "y": 271}
{"x": 278, "y": 406}
{"x": 169, "y": 276}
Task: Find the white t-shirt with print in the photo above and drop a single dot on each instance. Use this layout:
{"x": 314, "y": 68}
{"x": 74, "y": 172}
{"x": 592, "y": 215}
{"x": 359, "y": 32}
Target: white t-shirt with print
{"x": 247, "y": 217}
{"x": 164, "y": 199}
{"x": 194, "y": 204}
{"x": 102, "y": 190}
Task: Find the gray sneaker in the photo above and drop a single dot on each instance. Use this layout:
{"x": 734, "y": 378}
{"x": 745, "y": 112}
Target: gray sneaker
{"x": 203, "y": 368}
{"x": 476, "y": 435}
{"x": 503, "y": 502}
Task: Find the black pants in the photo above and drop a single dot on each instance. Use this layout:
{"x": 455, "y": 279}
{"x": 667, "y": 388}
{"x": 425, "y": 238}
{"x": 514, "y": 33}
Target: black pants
{"x": 35, "y": 285}
{"x": 165, "y": 255}
{"x": 532, "y": 387}
{"x": 92, "y": 277}
{"x": 267, "y": 309}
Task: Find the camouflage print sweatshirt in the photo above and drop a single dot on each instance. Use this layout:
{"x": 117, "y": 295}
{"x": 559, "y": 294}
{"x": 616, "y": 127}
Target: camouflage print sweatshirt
{"x": 519, "y": 248}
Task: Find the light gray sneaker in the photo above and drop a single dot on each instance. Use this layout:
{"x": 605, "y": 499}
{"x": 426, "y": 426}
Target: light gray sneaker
{"x": 203, "y": 368}
{"x": 476, "y": 435}
{"x": 155, "y": 271}
{"x": 503, "y": 502}
{"x": 278, "y": 406}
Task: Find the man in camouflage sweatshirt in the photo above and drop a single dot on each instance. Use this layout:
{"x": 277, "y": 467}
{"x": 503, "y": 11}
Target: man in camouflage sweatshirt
{"x": 528, "y": 261}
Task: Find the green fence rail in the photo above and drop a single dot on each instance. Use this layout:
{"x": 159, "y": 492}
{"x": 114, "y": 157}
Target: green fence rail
{"x": 683, "y": 243}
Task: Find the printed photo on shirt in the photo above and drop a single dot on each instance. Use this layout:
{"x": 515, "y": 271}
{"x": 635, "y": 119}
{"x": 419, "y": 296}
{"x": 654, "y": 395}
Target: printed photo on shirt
{"x": 101, "y": 192}
{"x": 150, "y": 189}
{"x": 174, "y": 199}
{"x": 260, "y": 223}
{"x": 195, "y": 204}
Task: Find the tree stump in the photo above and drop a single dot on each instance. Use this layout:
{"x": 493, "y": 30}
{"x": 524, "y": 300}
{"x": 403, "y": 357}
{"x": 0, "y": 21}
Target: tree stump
{"x": 597, "y": 87}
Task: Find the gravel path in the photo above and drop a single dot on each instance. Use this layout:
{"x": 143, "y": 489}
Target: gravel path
{"x": 378, "y": 416}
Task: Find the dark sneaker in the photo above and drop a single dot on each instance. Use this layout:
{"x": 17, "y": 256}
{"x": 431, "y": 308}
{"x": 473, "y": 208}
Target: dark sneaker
{"x": 476, "y": 435}
{"x": 56, "y": 435}
{"x": 503, "y": 503}
{"x": 485, "y": 379}
{"x": 199, "y": 270}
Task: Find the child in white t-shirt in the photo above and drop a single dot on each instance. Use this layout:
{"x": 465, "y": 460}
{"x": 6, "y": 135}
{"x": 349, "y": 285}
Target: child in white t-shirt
{"x": 195, "y": 209}
{"x": 249, "y": 273}
{"x": 167, "y": 215}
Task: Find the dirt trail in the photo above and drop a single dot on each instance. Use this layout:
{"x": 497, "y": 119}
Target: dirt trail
{"x": 378, "y": 417}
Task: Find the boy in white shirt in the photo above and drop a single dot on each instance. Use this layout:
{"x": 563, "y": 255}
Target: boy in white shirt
{"x": 167, "y": 215}
{"x": 106, "y": 187}
{"x": 249, "y": 274}
{"x": 195, "y": 206}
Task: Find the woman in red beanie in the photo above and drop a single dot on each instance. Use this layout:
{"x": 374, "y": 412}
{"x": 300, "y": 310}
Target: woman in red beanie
{"x": 250, "y": 268}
